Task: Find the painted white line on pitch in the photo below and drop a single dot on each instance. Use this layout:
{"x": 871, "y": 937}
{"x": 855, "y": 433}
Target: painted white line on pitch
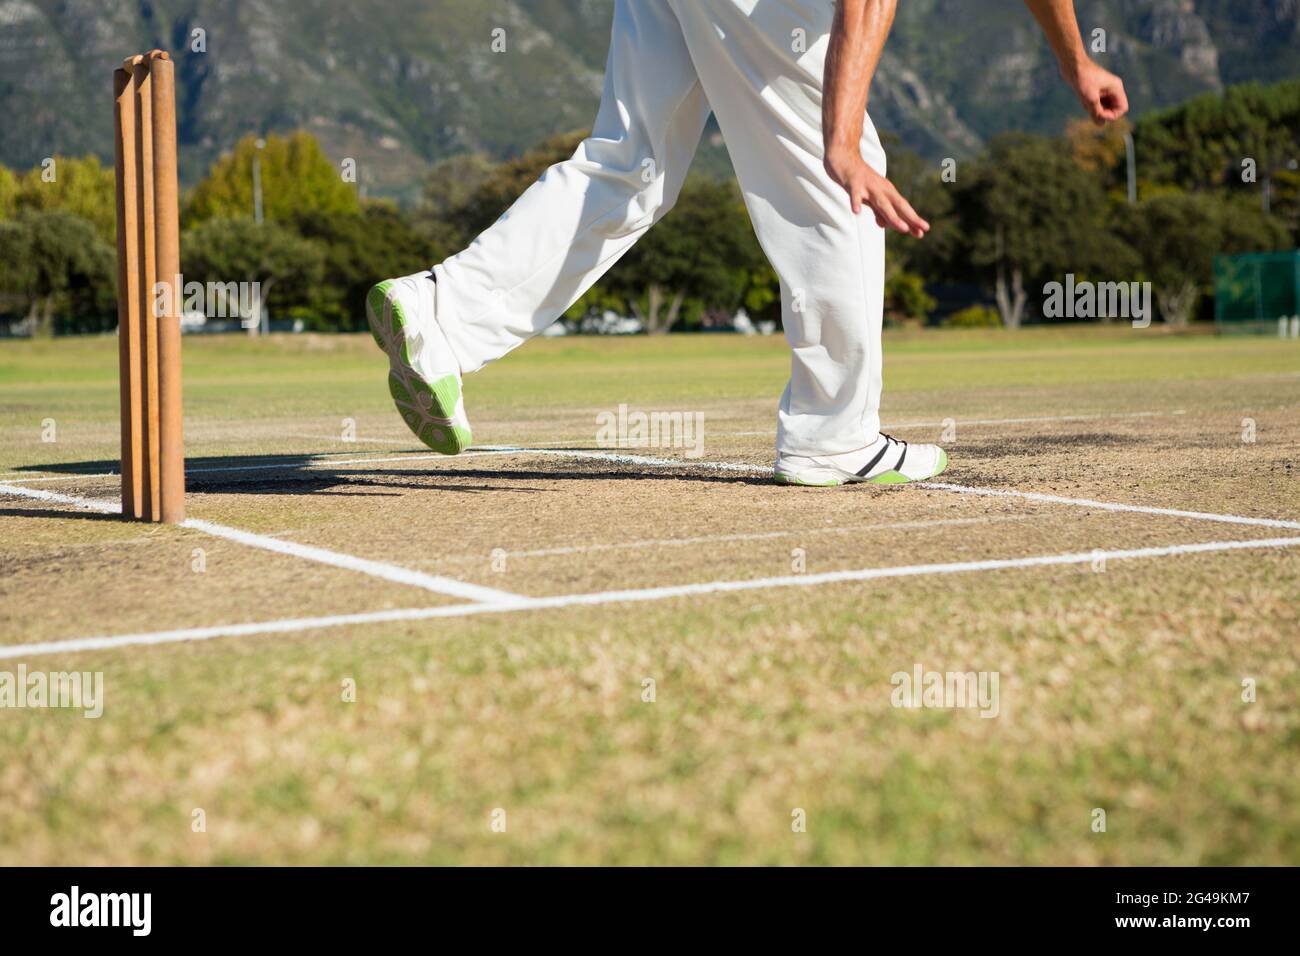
{"x": 487, "y": 451}
{"x": 755, "y": 536}
{"x": 651, "y": 462}
{"x": 765, "y": 470}
{"x": 1043, "y": 418}
{"x": 288, "y": 626}
{"x": 368, "y": 440}
{"x": 85, "y": 504}
{"x": 998, "y": 421}
{"x": 375, "y": 569}
{"x": 1111, "y": 506}
{"x": 304, "y": 464}
{"x": 942, "y": 486}
{"x": 86, "y": 477}
{"x": 293, "y": 625}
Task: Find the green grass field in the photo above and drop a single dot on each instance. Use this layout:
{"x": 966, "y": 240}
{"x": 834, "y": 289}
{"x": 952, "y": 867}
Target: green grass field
{"x": 771, "y": 620}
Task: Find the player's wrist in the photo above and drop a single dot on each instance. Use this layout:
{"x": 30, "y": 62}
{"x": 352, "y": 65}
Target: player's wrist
{"x": 1074, "y": 65}
{"x": 840, "y": 150}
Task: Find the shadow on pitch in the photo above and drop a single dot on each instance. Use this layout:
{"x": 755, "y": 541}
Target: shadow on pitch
{"x": 60, "y": 515}
{"x": 312, "y": 474}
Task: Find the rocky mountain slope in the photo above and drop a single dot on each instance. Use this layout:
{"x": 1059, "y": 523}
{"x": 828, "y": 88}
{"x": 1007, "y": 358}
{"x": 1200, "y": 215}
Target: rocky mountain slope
{"x": 398, "y": 84}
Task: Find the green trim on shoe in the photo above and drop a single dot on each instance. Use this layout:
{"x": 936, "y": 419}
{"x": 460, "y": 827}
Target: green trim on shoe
{"x": 795, "y": 480}
{"x": 890, "y": 477}
{"x": 897, "y": 478}
{"x": 428, "y": 408}
{"x": 375, "y": 300}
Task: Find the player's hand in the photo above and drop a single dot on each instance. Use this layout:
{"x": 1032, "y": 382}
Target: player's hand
{"x": 1100, "y": 91}
{"x": 868, "y": 188}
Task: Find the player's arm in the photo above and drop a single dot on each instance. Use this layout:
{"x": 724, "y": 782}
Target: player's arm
{"x": 857, "y": 39}
{"x": 1100, "y": 91}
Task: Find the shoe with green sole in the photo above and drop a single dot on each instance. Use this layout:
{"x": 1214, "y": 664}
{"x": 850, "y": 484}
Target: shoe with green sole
{"x": 888, "y": 461}
{"x": 423, "y": 375}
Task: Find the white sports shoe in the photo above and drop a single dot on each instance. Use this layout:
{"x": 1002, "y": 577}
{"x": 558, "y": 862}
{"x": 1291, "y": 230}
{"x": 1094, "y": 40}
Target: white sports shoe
{"x": 886, "y": 462}
{"x": 424, "y": 374}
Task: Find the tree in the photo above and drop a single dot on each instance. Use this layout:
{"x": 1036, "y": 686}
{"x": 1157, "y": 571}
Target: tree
{"x": 53, "y": 257}
{"x": 905, "y": 297}
{"x": 296, "y": 177}
{"x": 1028, "y": 211}
{"x": 240, "y": 250}
{"x": 358, "y": 251}
{"x": 498, "y": 190}
{"x": 83, "y": 187}
{"x": 1178, "y": 236}
{"x": 911, "y": 263}
{"x": 1202, "y": 143}
{"x": 1097, "y": 150}
{"x": 448, "y": 189}
{"x": 1284, "y": 198}
{"x": 8, "y": 192}
{"x": 702, "y": 256}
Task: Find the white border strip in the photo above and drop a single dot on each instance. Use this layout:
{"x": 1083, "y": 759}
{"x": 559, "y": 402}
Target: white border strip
{"x": 295, "y": 625}
{"x": 1111, "y": 506}
{"x": 79, "y": 477}
{"x": 375, "y": 569}
{"x": 752, "y": 536}
{"x": 760, "y": 470}
{"x": 898, "y": 426}
{"x": 648, "y": 461}
{"x": 309, "y": 460}
{"x": 736, "y": 468}
{"x": 85, "y": 504}
{"x": 298, "y": 462}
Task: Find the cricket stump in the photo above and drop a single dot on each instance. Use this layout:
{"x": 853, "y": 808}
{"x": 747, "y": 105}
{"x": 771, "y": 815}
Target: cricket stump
{"x": 148, "y": 297}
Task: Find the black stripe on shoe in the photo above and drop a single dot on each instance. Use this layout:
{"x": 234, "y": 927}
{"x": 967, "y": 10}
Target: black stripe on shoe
{"x": 875, "y": 461}
{"x": 901, "y": 458}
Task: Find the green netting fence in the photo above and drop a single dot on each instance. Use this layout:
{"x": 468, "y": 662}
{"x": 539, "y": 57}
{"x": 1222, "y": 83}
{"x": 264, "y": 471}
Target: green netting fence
{"x": 1258, "y": 293}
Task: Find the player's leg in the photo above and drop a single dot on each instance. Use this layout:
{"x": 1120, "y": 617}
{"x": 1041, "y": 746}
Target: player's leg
{"x": 564, "y": 233}
{"x": 761, "y": 64}
{"x": 571, "y": 226}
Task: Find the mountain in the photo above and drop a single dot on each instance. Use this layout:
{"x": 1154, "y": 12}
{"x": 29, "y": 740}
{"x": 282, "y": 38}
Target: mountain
{"x": 398, "y": 84}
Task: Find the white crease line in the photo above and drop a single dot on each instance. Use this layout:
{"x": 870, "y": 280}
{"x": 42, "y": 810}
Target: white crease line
{"x": 368, "y": 440}
{"x": 286, "y": 466}
{"x": 1046, "y": 418}
{"x": 87, "y": 477}
{"x": 764, "y": 470}
{"x": 627, "y": 596}
{"x": 304, "y": 463}
{"x": 21, "y": 475}
{"x": 637, "y": 459}
{"x": 492, "y": 450}
{"x": 756, "y": 536}
{"x": 487, "y": 451}
{"x": 85, "y": 504}
{"x": 941, "y": 486}
{"x": 996, "y": 421}
{"x": 375, "y": 569}
{"x": 1111, "y": 506}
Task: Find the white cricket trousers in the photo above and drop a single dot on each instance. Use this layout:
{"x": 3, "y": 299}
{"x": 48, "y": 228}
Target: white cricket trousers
{"x": 757, "y": 65}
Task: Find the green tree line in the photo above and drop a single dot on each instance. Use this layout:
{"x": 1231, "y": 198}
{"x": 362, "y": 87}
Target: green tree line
{"x": 1216, "y": 175}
